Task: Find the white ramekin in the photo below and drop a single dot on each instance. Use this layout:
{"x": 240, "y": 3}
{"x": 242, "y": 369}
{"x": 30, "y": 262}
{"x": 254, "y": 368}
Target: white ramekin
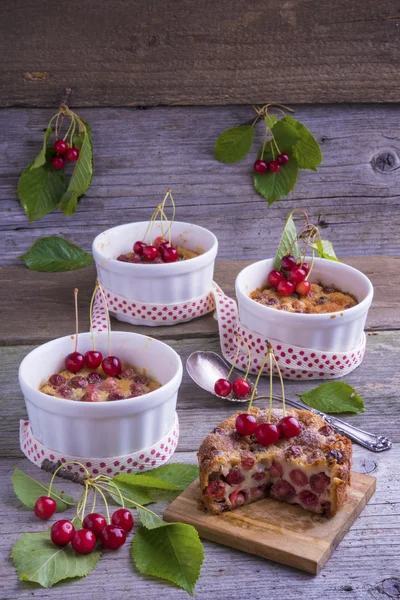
{"x": 331, "y": 332}
{"x": 105, "y": 429}
{"x": 155, "y": 284}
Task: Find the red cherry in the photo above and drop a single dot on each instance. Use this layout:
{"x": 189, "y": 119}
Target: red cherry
{"x": 241, "y": 387}
{"x": 95, "y": 522}
{"x": 306, "y": 267}
{"x": 283, "y": 159}
{"x": 159, "y": 240}
{"x": 123, "y": 518}
{"x": 260, "y": 166}
{"x": 298, "y": 274}
{"x": 273, "y": 166}
{"x": 93, "y": 359}
{"x": 113, "y": 537}
{"x": 245, "y": 424}
{"x": 289, "y": 427}
{"x": 285, "y": 288}
{"x": 170, "y": 255}
{"x": 267, "y": 434}
{"x": 74, "y": 362}
{"x": 303, "y": 287}
{"x": 288, "y": 262}
{"x": 216, "y": 489}
{"x": 57, "y": 162}
{"x": 150, "y": 252}
{"x": 62, "y": 532}
{"x": 72, "y": 154}
{"x": 60, "y": 146}
{"x": 222, "y": 387}
{"x": 45, "y": 507}
{"x": 138, "y": 248}
{"x": 111, "y": 366}
{"x": 162, "y": 247}
{"x": 84, "y": 541}
{"x": 275, "y": 277}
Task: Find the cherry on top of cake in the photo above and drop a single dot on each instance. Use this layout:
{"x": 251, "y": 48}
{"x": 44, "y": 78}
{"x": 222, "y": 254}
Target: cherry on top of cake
{"x": 161, "y": 249}
{"x": 288, "y": 285}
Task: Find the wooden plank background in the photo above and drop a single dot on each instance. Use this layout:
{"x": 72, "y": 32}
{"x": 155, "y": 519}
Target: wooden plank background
{"x": 140, "y": 153}
{"x": 146, "y": 52}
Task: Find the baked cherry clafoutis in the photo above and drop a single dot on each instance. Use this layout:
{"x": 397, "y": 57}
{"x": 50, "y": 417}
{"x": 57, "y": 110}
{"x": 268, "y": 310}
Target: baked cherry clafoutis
{"x": 311, "y": 469}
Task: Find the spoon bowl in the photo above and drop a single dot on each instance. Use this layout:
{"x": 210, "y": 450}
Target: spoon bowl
{"x": 205, "y": 368}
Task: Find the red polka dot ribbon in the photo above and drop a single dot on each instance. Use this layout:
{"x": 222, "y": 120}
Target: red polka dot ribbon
{"x": 157, "y": 314}
{"x": 150, "y": 458}
{"x": 294, "y": 362}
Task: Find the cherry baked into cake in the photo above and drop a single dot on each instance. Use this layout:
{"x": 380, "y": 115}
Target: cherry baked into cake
{"x": 311, "y": 469}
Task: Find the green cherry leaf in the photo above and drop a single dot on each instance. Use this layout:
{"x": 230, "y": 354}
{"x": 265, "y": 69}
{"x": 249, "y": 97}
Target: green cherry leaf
{"x": 325, "y": 249}
{"x": 234, "y": 144}
{"x": 54, "y": 254}
{"x": 179, "y": 474}
{"x": 172, "y": 551}
{"x": 287, "y": 242}
{"x": 286, "y": 136}
{"x": 132, "y": 495}
{"x": 40, "y": 189}
{"x": 37, "y": 559}
{"x": 149, "y": 519}
{"x": 270, "y": 121}
{"x": 40, "y": 160}
{"x": 273, "y": 186}
{"x": 307, "y": 150}
{"x": 28, "y": 490}
{"x": 82, "y": 175}
{"x": 334, "y": 397}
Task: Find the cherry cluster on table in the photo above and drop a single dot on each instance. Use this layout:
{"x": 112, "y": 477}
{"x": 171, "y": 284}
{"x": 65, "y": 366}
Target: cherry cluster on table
{"x": 63, "y": 151}
{"x": 159, "y": 252}
{"x": 295, "y": 281}
{"x": 262, "y": 166}
{"x": 94, "y": 528}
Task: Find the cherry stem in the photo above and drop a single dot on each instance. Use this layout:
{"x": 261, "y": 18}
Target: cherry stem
{"x": 114, "y": 485}
{"x": 257, "y": 380}
{"x": 60, "y": 467}
{"x": 270, "y": 385}
{"x": 98, "y": 488}
{"x": 91, "y": 314}
{"x": 131, "y": 501}
{"x": 108, "y": 316}
{"x": 282, "y": 386}
{"x": 94, "y": 500}
{"x": 236, "y": 355}
{"x": 248, "y": 360}
{"x": 76, "y": 318}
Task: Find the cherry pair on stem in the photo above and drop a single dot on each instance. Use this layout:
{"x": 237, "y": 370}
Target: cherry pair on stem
{"x": 75, "y": 361}
{"x": 240, "y": 387}
{"x": 162, "y": 247}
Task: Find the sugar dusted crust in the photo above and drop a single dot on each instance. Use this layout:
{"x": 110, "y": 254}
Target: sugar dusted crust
{"x": 312, "y": 469}
{"x": 320, "y": 300}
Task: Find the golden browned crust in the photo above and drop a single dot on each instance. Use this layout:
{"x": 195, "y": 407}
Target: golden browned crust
{"x": 316, "y": 447}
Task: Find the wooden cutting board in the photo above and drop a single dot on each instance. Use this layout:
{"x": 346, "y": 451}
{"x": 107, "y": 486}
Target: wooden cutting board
{"x": 281, "y": 532}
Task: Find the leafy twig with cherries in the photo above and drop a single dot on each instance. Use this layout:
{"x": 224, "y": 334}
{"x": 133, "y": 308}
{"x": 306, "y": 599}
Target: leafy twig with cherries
{"x": 287, "y": 147}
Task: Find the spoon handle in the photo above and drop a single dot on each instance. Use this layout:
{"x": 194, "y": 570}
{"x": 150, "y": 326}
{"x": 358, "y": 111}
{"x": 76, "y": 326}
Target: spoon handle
{"x": 375, "y": 443}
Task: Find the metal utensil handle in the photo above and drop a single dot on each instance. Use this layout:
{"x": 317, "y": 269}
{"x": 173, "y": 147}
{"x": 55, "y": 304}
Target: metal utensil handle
{"x": 375, "y": 443}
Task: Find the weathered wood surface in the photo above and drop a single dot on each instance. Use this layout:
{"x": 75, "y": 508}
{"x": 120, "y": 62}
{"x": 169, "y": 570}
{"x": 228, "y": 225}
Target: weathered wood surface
{"x": 140, "y": 153}
{"x": 186, "y": 52}
{"x": 46, "y": 301}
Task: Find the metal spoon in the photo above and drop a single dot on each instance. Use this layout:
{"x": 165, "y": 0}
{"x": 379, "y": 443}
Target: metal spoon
{"x": 206, "y": 367}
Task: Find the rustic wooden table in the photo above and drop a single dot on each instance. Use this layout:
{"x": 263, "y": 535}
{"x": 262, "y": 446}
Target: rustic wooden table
{"x": 366, "y": 563}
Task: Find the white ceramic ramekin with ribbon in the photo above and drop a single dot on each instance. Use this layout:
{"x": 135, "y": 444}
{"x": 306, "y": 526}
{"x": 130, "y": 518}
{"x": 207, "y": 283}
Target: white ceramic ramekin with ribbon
{"x": 322, "y": 346}
{"x": 105, "y": 430}
{"x": 144, "y": 294}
